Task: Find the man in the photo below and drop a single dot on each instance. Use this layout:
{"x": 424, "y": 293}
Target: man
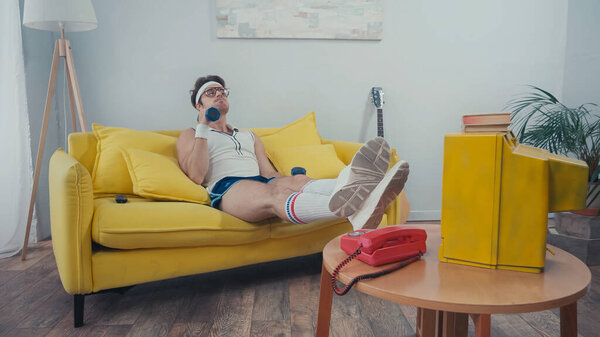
{"x": 234, "y": 167}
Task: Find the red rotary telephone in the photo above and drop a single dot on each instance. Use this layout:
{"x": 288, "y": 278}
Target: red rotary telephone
{"x": 405, "y": 244}
{"x": 385, "y": 245}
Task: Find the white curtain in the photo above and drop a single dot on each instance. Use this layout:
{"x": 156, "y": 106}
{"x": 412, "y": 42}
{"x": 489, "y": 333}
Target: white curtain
{"x": 16, "y": 177}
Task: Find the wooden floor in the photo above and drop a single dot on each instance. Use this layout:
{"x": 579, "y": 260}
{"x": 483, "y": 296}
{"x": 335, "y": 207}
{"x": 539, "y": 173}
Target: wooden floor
{"x": 272, "y": 299}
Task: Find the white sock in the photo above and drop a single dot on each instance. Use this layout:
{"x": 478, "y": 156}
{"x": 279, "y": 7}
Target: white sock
{"x": 319, "y": 186}
{"x": 303, "y": 208}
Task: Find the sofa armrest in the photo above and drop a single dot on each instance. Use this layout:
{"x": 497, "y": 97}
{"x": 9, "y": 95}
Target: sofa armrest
{"x": 71, "y": 209}
{"x": 398, "y": 211}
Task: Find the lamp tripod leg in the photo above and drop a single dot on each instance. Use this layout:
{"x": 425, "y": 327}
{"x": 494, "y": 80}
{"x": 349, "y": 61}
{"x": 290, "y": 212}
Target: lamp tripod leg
{"x": 74, "y": 85}
{"x": 42, "y": 143}
{"x": 71, "y": 103}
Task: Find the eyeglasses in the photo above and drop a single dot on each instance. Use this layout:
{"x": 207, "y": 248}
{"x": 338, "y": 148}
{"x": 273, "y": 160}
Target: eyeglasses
{"x": 212, "y": 92}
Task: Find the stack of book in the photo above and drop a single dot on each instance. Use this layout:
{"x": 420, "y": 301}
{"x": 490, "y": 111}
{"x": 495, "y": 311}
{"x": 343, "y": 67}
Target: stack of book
{"x": 494, "y": 122}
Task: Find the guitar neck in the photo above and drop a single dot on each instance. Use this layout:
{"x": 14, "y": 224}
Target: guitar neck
{"x": 379, "y": 122}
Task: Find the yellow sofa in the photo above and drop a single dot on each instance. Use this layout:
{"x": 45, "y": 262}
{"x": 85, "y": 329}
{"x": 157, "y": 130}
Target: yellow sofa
{"x": 100, "y": 244}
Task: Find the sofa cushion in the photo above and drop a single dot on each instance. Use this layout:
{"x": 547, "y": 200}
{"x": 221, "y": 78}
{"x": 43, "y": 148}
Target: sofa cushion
{"x": 320, "y": 161}
{"x": 159, "y": 177}
{"x": 298, "y": 133}
{"x": 281, "y": 230}
{"x": 110, "y": 174}
{"x": 143, "y": 223}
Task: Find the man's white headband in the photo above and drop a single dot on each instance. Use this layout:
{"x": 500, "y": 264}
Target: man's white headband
{"x": 203, "y": 87}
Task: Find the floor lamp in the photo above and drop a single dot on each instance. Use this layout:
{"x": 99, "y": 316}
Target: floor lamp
{"x": 57, "y": 16}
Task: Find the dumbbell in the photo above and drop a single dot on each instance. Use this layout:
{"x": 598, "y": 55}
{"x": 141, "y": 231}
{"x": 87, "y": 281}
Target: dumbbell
{"x": 298, "y": 170}
{"x": 212, "y": 114}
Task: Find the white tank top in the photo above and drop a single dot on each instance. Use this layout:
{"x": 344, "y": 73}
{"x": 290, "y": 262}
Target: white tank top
{"x": 230, "y": 155}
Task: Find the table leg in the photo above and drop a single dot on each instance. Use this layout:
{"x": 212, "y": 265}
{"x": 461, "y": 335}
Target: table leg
{"x": 426, "y": 322}
{"x": 568, "y": 320}
{"x": 482, "y": 324}
{"x": 325, "y": 299}
{"x": 455, "y": 324}
{"x": 461, "y": 325}
{"x": 439, "y": 323}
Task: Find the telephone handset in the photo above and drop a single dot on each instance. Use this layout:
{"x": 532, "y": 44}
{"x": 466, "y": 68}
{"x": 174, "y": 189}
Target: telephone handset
{"x": 405, "y": 244}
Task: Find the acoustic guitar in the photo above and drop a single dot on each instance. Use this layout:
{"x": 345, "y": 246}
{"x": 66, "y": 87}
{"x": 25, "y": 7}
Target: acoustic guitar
{"x": 377, "y": 98}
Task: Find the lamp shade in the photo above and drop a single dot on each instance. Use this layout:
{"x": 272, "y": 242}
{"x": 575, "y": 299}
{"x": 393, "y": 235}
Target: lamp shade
{"x": 54, "y": 15}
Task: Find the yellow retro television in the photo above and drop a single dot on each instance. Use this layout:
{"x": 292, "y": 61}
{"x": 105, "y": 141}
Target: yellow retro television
{"x": 496, "y": 196}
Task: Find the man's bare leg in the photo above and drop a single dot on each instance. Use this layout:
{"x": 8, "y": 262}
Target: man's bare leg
{"x": 254, "y": 201}
{"x": 294, "y": 183}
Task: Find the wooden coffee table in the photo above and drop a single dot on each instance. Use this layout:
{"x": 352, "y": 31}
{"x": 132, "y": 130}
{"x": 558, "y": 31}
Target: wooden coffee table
{"x": 447, "y": 294}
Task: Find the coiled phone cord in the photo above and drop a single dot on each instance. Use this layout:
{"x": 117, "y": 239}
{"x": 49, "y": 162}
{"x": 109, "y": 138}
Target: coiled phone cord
{"x": 352, "y": 256}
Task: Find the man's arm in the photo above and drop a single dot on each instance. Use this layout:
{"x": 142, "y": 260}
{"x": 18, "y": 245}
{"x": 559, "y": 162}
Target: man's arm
{"x": 192, "y": 154}
{"x": 264, "y": 165}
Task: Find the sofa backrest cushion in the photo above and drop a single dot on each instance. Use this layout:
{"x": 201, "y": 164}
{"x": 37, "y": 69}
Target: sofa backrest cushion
{"x": 155, "y": 176}
{"x": 301, "y": 132}
{"x": 83, "y": 146}
{"x": 110, "y": 173}
{"x": 319, "y": 161}
{"x": 101, "y": 153}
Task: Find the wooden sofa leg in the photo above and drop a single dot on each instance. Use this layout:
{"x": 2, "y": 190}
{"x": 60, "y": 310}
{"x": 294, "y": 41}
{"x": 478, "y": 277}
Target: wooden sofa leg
{"x": 78, "y": 301}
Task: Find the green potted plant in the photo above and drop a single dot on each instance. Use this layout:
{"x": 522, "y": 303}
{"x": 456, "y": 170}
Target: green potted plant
{"x": 541, "y": 120}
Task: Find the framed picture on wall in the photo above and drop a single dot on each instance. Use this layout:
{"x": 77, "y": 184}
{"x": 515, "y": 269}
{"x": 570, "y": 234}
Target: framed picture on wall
{"x": 300, "y": 19}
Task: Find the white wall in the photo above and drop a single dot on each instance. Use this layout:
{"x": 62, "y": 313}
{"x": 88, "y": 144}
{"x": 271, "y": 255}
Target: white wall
{"x": 582, "y": 64}
{"x": 437, "y": 61}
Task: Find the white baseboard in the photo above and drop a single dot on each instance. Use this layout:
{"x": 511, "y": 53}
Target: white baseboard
{"x": 436, "y": 215}
{"x": 433, "y": 215}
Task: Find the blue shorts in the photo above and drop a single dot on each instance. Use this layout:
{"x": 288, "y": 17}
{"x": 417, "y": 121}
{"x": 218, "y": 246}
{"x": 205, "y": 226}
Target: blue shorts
{"x": 223, "y": 185}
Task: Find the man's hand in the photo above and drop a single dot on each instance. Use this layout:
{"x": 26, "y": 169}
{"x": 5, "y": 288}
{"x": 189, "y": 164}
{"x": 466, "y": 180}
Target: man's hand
{"x": 202, "y": 127}
{"x": 202, "y": 116}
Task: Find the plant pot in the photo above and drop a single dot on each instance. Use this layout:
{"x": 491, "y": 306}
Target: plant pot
{"x": 587, "y": 211}
{"x": 594, "y": 207}
{"x": 578, "y": 235}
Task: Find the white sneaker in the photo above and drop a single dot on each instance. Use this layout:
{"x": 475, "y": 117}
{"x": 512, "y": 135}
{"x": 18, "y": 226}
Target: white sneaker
{"x": 370, "y": 214}
{"x": 357, "y": 180}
